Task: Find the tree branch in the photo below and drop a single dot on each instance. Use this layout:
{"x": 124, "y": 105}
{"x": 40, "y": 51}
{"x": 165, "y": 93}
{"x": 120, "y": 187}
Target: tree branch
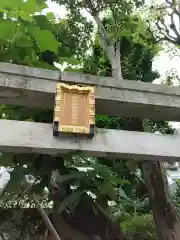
{"x": 165, "y": 32}
{"x": 111, "y": 51}
{"x": 108, "y": 49}
{"x": 46, "y": 220}
{"x": 2, "y": 236}
{"x": 168, "y": 2}
{"x": 165, "y": 29}
{"x": 151, "y": 32}
{"x": 173, "y": 26}
{"x": 177, "y": 12}
{"x": 116, "y": 63}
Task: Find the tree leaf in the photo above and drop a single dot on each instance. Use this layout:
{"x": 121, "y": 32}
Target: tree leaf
{"x": 108, "y": 189}
{"x": 30, "y": 6}
{"x": 17, "y": 177}
{"x": 74, "y": 175}
{"x": 25, "y": 16}
{"x": 118, "y": 180}
{"x": 41, "y": 4}
{"x": 24, "y": 41}
{"x": 132, "y": 165}
{"x": 38, "y": 188}
{"x": 69, "y": 201}
{"x": 6, "y": 159}
{"x": 43, "y": 22}
{"x": 95, "y": 209}
{"x": 73, "y": 61}
{"x": 44, "y": 38}
{"x": 50, "y": 16}
{"x": 6, "y": 4}
{"x": 103, "y": 210}
{"x": 101, "y": 117}
{"x": 7, "y": 29}
{"x": 122, "y": 194}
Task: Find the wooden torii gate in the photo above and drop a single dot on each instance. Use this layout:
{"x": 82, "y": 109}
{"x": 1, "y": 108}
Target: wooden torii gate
{"x": 32, "y": 87}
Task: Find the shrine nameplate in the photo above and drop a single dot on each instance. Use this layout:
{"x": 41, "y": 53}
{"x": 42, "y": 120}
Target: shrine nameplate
{"x": 74, "y": 110}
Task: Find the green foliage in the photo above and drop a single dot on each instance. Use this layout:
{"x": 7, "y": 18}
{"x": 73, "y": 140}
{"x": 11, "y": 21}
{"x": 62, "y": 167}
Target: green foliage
{"x": 21, "y": 113}
{"x": 30, "y": 38}
{"x": 176, "y": 196}
{"x": 107, "y": 180}
{"x": 140, "y": 227}
{"x": 70, "y": 201}
{"x": 75, "y": 37}
{"x": 45, "y": 39}
{"x": 22, "y": 31}
{"x": 160, "y": 126}
{"x": 118, "y": 7}
{"x": 136, "y": 56}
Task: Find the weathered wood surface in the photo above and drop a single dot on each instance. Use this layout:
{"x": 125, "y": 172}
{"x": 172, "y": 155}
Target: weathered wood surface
{"x": 19, "y": 136}
{"x": 35, "y": 87}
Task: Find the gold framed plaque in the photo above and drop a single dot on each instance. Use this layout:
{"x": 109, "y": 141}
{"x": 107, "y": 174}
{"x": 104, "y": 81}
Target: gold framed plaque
{"x": 74, "y": 109}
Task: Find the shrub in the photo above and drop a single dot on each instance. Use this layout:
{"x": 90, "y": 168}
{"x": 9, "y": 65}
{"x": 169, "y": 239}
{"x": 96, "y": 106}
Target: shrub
{"x": 140, "y": 227}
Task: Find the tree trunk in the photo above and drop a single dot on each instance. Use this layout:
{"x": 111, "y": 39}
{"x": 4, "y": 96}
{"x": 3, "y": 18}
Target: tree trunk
{"x": 46, "y": 220}
{"x": 167, "y": 222}
{"x": 166, "y": 219}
